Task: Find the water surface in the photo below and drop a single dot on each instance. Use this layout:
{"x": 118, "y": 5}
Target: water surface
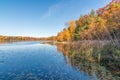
{"x": 36, "y": 61}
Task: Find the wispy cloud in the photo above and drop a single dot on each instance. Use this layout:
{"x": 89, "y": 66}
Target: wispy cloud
{"x": 52, "y": 10}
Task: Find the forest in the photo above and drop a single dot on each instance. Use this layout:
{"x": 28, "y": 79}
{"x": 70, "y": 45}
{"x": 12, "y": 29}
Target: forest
{"x": 97, "y": 25}
{"x": 100, "y": 25}
{"x": 92, "y": 42}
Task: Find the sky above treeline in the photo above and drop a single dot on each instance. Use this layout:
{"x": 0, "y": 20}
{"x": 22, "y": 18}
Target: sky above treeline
{"x": 42, "y": 18}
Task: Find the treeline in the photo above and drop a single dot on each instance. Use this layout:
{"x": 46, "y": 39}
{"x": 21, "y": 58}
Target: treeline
{"x": 51, "y": 38}
{"x": 104, "y": 25}
{"x": 21, "y": 38}
{"x": 17, "y": 38}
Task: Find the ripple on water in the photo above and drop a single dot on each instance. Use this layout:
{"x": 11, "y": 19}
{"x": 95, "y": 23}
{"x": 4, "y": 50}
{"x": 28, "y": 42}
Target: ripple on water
{"x": 35, "y": 61}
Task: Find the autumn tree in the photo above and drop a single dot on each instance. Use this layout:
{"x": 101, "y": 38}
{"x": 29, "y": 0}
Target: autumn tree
{"x": 71, "y": 29}
{"x": 102, "y": 26}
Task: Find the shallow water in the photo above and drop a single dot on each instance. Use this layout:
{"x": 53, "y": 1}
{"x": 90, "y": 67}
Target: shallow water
{"x": 36, "y": 61}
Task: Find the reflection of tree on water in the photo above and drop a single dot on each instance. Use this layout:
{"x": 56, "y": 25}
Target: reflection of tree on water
{"x": 98, "y": 58}
{"x": 95, "y": 58}
{"x": 61, "y": 48}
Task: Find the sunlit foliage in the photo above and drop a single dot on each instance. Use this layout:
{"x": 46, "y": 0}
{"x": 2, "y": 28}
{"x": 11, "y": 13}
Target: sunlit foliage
{"x": 104, "y": 26}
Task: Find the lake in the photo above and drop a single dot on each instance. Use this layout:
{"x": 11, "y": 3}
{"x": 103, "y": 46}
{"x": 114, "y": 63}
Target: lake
{"x": 37, "y": 61}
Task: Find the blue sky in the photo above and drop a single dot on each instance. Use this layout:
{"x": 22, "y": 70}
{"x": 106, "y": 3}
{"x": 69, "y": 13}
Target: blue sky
{"x": 42, "y": 18}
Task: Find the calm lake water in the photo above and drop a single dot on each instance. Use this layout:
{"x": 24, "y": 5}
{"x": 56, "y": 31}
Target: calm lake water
{"x": 36, "y": 61}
